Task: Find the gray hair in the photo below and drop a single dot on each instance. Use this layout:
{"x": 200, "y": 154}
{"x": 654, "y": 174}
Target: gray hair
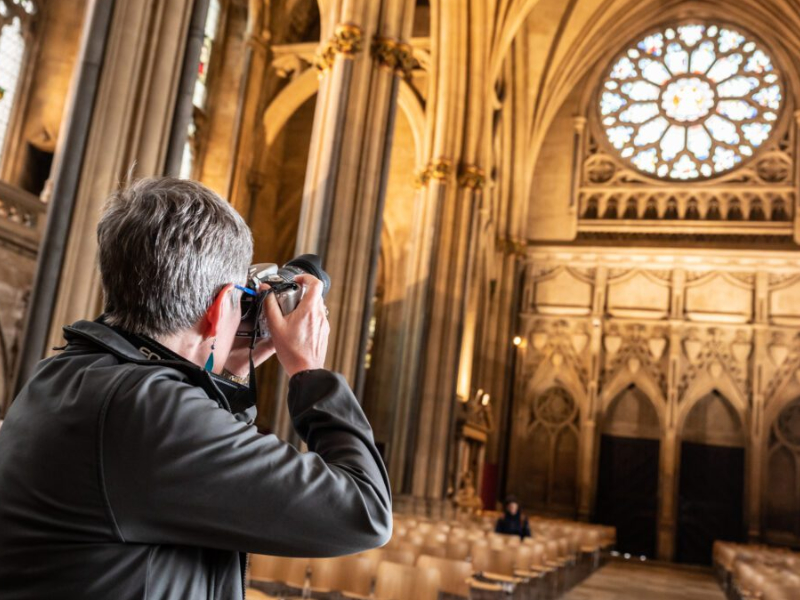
{"x": 166, "y": 248}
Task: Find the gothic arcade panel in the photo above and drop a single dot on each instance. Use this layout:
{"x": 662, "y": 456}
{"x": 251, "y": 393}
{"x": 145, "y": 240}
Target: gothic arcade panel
{"x": 544, "y": 452}
{"x": 781, "y": 492}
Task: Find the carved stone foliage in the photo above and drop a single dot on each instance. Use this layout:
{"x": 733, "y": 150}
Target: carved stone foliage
{"x": 783, "y": 350}
{"x": 716, "y": 351}
{"x": 560, "y": 345}
{"x": 635, "y": 348}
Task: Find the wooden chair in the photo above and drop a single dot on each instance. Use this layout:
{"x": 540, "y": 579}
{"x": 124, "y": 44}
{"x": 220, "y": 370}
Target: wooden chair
{"x": 254, "y": 594}
{"x": 270, "y": 574}
{"x": 404, "y": 582}
{"x": 457, "y": 549}
{"x": 403, "y": 557}
{"x": 439, "y": 550}
{"x": 355, "y": 577}
{"x": 455, "y": 575}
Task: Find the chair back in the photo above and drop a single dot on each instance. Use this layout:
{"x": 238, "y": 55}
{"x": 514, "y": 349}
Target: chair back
{"x": 269, "y": 568}
{"x": 523, "y": 557}
{"x": 325, "y": 573}
{"x": 457, "y": 549}
{"x": 354, "y": 574}
{"x": 439, "y": 550}
{"x": 404, "y": 582}
{"x": 480, "y": 557}
{"x": 406, "y": 556}
{"x": 297, "y": 572}
{"x": 453, "y": 574}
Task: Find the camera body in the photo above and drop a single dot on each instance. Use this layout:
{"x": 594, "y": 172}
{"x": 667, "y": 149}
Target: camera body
{"x": 287, "y": 291}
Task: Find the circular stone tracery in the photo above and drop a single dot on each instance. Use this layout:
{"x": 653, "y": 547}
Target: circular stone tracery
{"x": 691, "y": 101}
{"x": 687, "y": 99}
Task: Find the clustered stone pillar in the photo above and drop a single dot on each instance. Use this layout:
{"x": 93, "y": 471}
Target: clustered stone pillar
{"x": 128, "y": 134}
{"x": 257, "y": 54}
{"x": 362, "y": 56}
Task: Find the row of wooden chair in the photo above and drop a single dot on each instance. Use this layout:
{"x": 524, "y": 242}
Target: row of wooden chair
{"x": 458, "y": 560}
{"x": 757, "y": 572}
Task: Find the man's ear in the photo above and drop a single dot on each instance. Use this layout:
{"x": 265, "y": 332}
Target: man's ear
{"x": 214, "y": 313}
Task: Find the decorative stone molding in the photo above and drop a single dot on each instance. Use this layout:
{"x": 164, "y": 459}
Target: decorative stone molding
{"x": 347, "y": 40}
{"x": 511, "y": 246}
{"x": 440, "y": 169}
{"x": 472, "y": 177}
{"x": 394, "y": 55}
{"x": 289, "y": 66}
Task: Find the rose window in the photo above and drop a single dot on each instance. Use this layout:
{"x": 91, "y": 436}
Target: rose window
{"x": 690, "y": 102}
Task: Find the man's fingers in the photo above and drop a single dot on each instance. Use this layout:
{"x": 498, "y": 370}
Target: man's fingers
{"x": 272, "y": 310}
{"x": 313, "y": 286}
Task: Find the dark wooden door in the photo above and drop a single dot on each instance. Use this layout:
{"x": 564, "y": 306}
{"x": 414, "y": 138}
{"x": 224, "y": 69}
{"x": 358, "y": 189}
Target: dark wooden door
{"x": 710, "y": 500}
{"x": 627, "y": 492}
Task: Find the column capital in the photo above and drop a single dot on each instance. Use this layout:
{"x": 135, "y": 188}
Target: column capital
{"x": 472, "y": 177}
{"x": 394, "y": 55}
{"x": 347, "y": 40}
{"x": 439, "y": 169}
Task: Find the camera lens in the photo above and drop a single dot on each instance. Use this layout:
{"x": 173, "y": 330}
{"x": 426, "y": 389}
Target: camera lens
{"x": 311, "y": 264}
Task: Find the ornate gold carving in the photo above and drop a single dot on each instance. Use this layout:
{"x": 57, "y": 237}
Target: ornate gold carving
{"x": 323, "y": 59}
{"x": 511, "y": 246}
{"x": 441, "y": 168}
{"x": 405, "y": 60}
{"x": 384, "y": 50}
{"x": 347, "y": 40}
{"x": 394, "y": 55}
{"x": 422, "y": 177}
{"x": 472, "y": 176}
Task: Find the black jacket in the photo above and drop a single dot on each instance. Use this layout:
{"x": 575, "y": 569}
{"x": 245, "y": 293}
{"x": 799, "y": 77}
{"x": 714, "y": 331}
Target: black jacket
{"x": 516, "y": 524}
{"x": 128, "y": 478}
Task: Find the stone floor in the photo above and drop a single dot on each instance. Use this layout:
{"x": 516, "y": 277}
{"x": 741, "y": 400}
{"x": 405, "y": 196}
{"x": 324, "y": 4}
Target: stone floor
{"x": 620, "y": 580}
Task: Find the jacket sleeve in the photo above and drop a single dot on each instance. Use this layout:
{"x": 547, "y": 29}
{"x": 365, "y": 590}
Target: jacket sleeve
{"x": 177, "y": 469}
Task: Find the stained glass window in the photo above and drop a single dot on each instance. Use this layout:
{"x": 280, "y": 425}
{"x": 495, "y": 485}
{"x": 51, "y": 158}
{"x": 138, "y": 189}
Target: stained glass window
{"x": 690, "y": 101}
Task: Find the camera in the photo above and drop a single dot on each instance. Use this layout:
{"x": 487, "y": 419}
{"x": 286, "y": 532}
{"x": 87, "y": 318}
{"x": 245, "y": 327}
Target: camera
{"x": 287, "y": 291}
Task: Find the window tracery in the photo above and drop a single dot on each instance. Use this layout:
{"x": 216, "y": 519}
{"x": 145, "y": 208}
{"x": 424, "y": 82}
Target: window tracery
{"x": 690, "y": 134}
{"x": 691, "y": 102}
{"x": 783, "y": 475}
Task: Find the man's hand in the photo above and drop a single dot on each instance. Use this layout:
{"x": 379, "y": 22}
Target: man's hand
{"x": 238, "y": 362}
{"x": 301, "y": 337}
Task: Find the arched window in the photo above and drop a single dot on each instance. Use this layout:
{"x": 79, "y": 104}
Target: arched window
{"x": 200, "y": 96}
{"x": 15, "y": 18}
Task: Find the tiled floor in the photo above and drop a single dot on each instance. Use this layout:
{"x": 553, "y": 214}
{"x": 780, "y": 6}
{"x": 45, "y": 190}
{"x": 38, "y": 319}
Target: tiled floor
{"x": 637, "y": 581}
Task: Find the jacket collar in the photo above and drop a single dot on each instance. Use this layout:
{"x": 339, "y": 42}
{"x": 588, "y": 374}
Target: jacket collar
{"x": 100, "y": 334}
{"x": 230, "y": 396}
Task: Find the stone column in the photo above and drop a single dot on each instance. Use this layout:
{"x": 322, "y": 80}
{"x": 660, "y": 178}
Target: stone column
{"x": 128, "y": 133}
{"x": 668, "y": 483}
{"x": 361, "y": 58}
{"x": 589, "y": 433}
{"x": 454, "y": 203}
{"x": 255, "y": 68}
{"x": 756, "y": 460}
